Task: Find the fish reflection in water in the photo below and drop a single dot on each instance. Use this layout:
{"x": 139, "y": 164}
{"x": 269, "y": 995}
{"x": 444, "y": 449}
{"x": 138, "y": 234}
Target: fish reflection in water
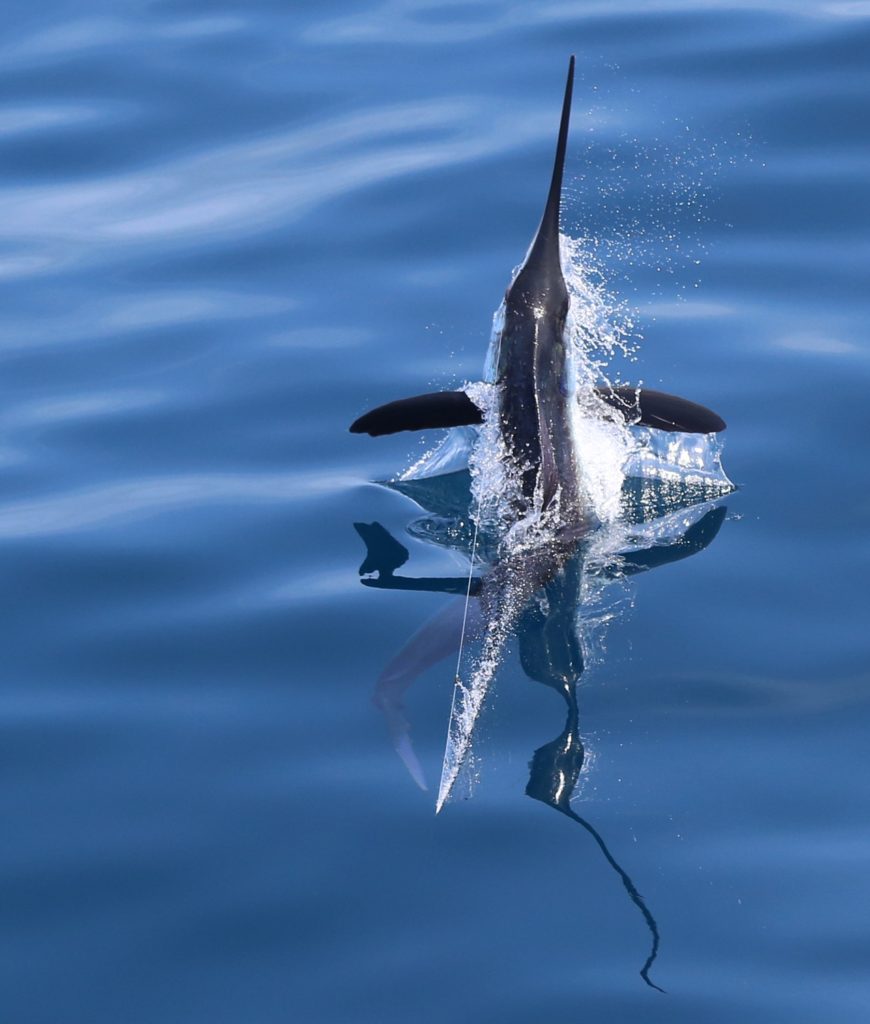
{"x": 547, "y": 589}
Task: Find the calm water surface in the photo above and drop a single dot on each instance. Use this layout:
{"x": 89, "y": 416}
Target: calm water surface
{"x": 225, "y": 231}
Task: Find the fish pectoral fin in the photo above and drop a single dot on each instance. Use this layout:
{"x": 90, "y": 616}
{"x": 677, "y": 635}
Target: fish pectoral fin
{"x": 664, "y": 412}
{"x": 423, "y": 412}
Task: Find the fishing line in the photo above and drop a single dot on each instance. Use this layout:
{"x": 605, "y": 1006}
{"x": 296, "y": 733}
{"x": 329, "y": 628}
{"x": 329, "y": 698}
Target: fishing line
{"x": 467, "y": 599}
{"x": 457, "y": 681}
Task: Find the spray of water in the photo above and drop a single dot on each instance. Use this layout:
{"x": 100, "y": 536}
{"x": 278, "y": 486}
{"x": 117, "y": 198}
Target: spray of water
{"x": 609, "y": 455}
{"x": 597, "y": 328}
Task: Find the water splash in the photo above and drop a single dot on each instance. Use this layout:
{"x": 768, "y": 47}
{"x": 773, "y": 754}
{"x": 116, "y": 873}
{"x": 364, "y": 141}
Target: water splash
{"x": 636, "y": 485}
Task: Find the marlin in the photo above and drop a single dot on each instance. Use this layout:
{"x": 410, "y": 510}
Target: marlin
{"x": 532, "y": 373}
{"x": 532, "y": 369}
{"x": 533, "y": 586}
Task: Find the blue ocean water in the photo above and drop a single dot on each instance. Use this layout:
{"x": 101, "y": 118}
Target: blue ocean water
{"x": 226, "y": 230}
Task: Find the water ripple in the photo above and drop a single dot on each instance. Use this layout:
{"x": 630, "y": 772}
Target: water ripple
{"x": 231, "y": 191}
{"x": 110, "y": 504}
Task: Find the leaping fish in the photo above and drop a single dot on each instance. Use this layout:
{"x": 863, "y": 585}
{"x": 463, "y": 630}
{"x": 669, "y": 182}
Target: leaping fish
{"x": 532, "y": 370}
